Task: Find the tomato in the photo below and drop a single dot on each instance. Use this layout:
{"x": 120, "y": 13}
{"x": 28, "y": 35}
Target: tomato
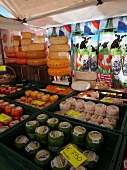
{"x": 9, "y": 108}
{"x": 1, "y": 124}
{"x": 8, "y": 121}
{"x": 17, "y": 111}
{"x": 3, "y": 105}
{"x": 28, "y": 93}
{"x": 46, "y": 98}
{"x": 54, "y": 98}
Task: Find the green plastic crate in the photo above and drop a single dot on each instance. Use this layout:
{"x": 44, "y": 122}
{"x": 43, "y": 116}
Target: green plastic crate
{"x": 107, "y": 160}
{"x": 121, "y": 154}
{"x": 120, "y": 127}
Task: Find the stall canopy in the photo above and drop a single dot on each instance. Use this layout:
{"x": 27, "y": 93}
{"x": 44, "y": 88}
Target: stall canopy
{"x": 50, "y": 13}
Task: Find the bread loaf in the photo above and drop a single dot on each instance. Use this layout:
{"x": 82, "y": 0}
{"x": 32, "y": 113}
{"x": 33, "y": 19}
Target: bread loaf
{"x": 60, "y": 48}
{"x": 26, "y": 35}
{"x": 39, "y": 46}
{"x": 16, "y": 37}
{"x": 25, "y": 48}
{"x": 26, "y": 41}
{"x": 58, "y": 40}
{"x": 58, "y": 55}
{"x": 16, "y": 42}
{"x": 39, "y": 39}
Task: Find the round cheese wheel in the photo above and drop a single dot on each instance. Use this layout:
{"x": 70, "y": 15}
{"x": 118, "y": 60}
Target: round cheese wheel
{"x": 21, "y": 54}
{"x": 58, "y": 55}
{"x": 37, "y": 62}
{"x": 11, "y": 60}
{"x": 59, "y": 72}
{"x": 36, "y": 54}
{"x": 21, "y": 60}
{"x": 58, "y": 63}
{"x": 10, "y": 54}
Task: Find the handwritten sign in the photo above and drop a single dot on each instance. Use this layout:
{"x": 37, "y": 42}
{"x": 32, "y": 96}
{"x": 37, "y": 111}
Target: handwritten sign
{"x": 37, "y": 102}
{"x": 3, "y": 117}
{"x": 59, "y": 88}
{"x": 73, "y": 113}
{"x": 2, "y": 68}
{"x": 73, "y": 155}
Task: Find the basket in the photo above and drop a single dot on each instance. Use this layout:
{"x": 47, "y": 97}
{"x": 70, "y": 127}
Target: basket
{"x": 4, "y": 79}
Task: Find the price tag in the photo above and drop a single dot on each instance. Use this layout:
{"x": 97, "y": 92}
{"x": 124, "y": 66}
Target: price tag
{"x": 107, "y": 100}
{"x": 74, "y": 156}
{"x": 2, "y": 68}
{"x": 19, "y": 85}
{"x": 3, "y": 117}
{"x": 58, "y": 88}
{"x": 2, "y": 95}
{"x": 73, "y": 113}
{"x": 37, "y": 102}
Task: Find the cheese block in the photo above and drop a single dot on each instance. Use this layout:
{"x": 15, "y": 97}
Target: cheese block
{"x": 89, "y": 75}
{"x": 16, "y": 48}
{"x": 58, "y": 63}
{"x": 11, "y": 60}
{"x": 25, "y": 48}
{"x": 16, "y": 42}
{"x": 21, "y": 61}
{"x": 26, "y": 41}
{"x": 37, "y": 62}
{"x": 16, "y": 37}
{"x": 39, "y": 46}
{"x": 21, "y": 54}
{"x": 11, "y": 49}
{"x": 58, "y": 40}
{"x": 61, "y": 48}
{"x": 59, "y": 72}
{"x": 58, "y": 55}
{"x": 37, "y": 54}
{"x": 10, "y": 54}
{"x": 26, "y": 35}
{"x": 39, "y": 39}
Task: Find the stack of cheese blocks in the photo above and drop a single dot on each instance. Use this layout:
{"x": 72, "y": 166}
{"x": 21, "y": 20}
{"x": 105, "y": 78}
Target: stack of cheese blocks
{"x": 37, "y": 55}
{"x": 13, "y": 49}
{"x": 59, "y": 63}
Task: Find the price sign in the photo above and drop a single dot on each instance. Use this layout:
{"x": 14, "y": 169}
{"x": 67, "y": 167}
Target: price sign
{"x": 37, "y": 102}
{"x": 2, "y": 95}
{"x": 3, "y": 117}
{"x": 19, "y": 85}
{"x": 2, "y": 68}
{"x": 73, "y": 113}
{"x": 58, "y": 88}
{"x": 73, "y": 155}
{"x": 107, "y": 100}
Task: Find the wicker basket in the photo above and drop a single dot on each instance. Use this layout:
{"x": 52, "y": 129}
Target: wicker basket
{"x": 7, "y": 78}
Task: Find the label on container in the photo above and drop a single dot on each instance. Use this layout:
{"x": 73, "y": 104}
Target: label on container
{"x": 21, "y": 139}
{"x": 73, "y": 113}
{"x": 64, "y": 125}
{"x": 3, "y": 128}
{"x": 42, "y": 155}
{"x": 56, "y": 134}
{"x": 95, "y": 136}
{"x": 4, "y": 117}
{"x": 73, "y": 155}
{"x": 91, "y": 156}
{"x": 41, "y": 116}
{"x": 32, "y": 146}
{"x": 59, "y": 162}
{"x": 52, "y": 120}
{"x": 42, "y": 129}
{"x": 14, "y": 122}
{"x": 31, "y": 123}
{"x": 79, "y": 130}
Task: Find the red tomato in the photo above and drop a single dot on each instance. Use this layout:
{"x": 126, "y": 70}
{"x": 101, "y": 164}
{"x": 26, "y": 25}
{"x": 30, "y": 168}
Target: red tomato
{"x": 17, "y": 111}
{"x": 3, "y": 105}
{"x": 8, "y": 108}
{"x": 1, "y": 124}
{"x": 8, "y": 121}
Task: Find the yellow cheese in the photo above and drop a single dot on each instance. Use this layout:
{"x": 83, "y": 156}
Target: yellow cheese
{"x": 39, "y": 39}
{"x": 58, "y": 55}
{"x": 58, "y": 40}
{"x": 16, "y": 42}
{"x": 25, "y": 48}
{"x": 60, "y": 48}
{"x": 16, "y": 37}
{"x": 16, "y": 48}
{"x": 26, "y": 41}
{"x": 59, "y": 72}
{"x": 58, "y": 63}
{"x": 39, "y": 46}
{"x": 37, "y": 62}
{"x": 26, "y": 34}
{"x": 11, "y": 49}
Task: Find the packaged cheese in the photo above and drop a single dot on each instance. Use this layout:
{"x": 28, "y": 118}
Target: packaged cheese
{"x": 25, "y": 48}
{"x": 16, "y": 42}
{"x": 39, "y": 39}
{"x": 58, "y": 40}
{"x": 26, "y": 41}
{"x": 58, "y": 55}
{"x": 61, "y": 48}
{"x": 39, "y": 46}
{"x": 16, "y": 37}
{"x": 26, "y": 34}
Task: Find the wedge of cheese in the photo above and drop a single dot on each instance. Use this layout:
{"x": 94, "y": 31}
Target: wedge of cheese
{"x": 39, "y": 39}
{"x": 58, "y": 55}
{"x": 26, "y": 41}
{"x": 39, "y": 46}
{"x": 60, "y": 48}
{"x": 26, "y": 35}
{"x": 58, "y": 40}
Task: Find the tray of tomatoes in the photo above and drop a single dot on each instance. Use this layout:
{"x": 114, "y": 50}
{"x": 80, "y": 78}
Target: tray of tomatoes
{"x": 37, "y": 99}
{"x": 12, "y": 114}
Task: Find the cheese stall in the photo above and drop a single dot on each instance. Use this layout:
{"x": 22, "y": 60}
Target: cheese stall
{"x": 63, "y": 85}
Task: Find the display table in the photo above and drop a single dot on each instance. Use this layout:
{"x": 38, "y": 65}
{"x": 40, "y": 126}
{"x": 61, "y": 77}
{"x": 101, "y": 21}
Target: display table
{"x": 39, "y": 73}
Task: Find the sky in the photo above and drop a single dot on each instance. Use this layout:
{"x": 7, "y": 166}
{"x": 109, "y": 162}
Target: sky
{"x": 5, "y": 13}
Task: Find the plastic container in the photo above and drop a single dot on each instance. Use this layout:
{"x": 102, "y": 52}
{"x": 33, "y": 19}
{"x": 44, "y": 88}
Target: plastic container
{"x": 107, "y": 160}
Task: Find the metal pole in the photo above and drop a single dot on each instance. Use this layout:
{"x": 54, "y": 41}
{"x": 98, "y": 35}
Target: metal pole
{"x": 2, "y": 51}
